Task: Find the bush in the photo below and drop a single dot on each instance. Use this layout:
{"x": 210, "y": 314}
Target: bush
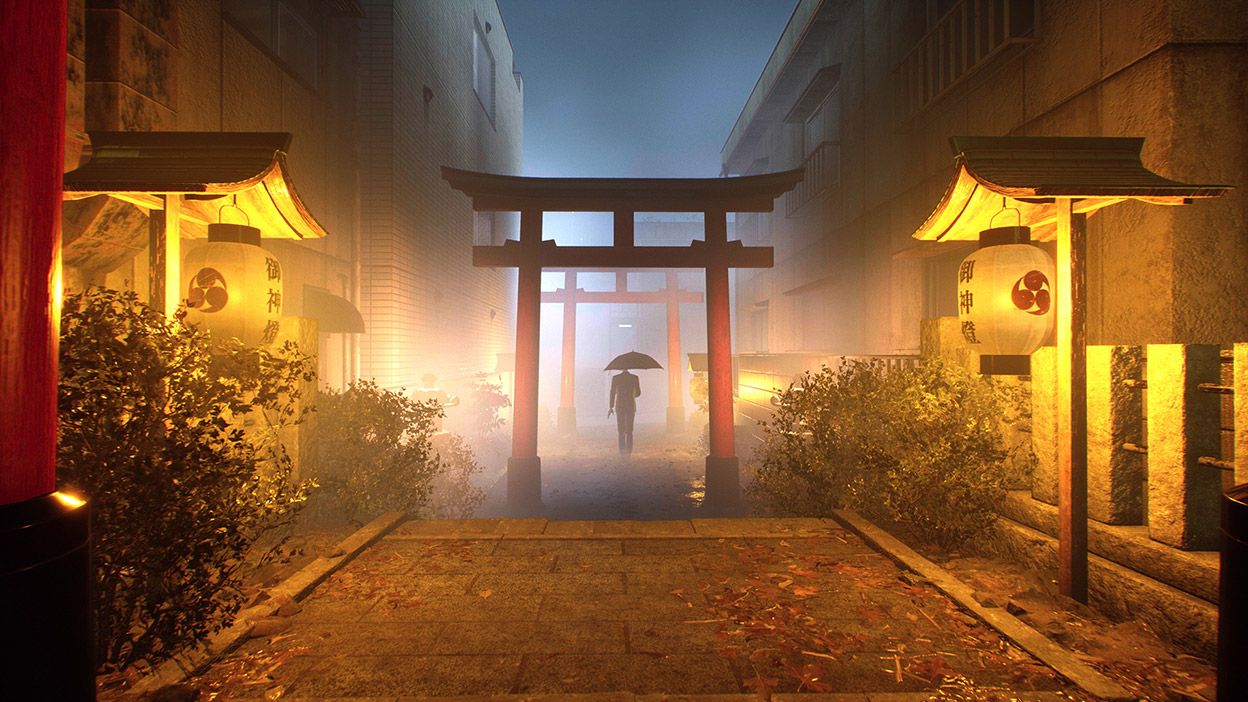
{"x": 149, "y": 416}
{"x": 452, "y": 494}
{"x": 378, "y": 454}
{"x": 922, "y": 446}
{"x": 375, "y": 453}
{"x": 487, "y": 401}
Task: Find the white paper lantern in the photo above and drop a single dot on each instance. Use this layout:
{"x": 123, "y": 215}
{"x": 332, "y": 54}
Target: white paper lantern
{"x": 233, "y": 287}
{"x": 1005, "y": 295}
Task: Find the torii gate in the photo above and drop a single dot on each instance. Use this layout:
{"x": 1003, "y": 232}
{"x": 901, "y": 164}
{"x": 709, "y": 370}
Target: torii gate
{"x": 570, "y": 296}
{"x": 532, "y": 197}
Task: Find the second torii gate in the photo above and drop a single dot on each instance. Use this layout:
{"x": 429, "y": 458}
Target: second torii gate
{"x": 532, "y": 197}
{"x": 570, "y": 296}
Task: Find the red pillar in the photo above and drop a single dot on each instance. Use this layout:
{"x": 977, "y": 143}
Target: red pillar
{"x": 722, "y": 466}
{"x": 675, "y": 401}
{"x": 567, "y": 376}
{"x": 45, "y": 566}
{"x": 32, "y": 133}
{"x": 524, "y": 472}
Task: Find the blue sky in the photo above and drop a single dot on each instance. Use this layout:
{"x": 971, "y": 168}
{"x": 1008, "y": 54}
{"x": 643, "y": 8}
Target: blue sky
{"x": 636, "y": 88}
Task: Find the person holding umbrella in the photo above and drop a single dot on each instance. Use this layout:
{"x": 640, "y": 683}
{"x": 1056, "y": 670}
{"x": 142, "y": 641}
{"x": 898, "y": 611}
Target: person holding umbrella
{"x": 625, "y": 389}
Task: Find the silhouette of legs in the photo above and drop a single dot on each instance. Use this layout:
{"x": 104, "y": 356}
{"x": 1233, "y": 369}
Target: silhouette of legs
{"x": 624, "y": 423}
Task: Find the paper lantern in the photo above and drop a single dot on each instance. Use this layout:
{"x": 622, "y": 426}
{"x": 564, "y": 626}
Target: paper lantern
{"x": 233, "y": 287}
{"x": 1005, "y": 299}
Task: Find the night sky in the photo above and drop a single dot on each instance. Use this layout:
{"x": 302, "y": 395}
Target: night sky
{"x": 636, "y": 88}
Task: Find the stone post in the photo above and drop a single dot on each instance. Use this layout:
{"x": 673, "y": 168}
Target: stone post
{"x": 1115, "y": 417}
{"x": 1044, "y": 423}
{"x": 1183, "y": 425}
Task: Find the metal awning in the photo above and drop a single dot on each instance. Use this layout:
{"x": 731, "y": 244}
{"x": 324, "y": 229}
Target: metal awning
{"x": 208, "y": 169}
{"x": 1034, "y": 171}
{"x": 335, "y": 314}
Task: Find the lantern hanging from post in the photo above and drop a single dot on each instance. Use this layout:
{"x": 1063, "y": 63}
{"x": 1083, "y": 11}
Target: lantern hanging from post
{"x": 1005, "y": 300}
{"x": 233, "y": 287}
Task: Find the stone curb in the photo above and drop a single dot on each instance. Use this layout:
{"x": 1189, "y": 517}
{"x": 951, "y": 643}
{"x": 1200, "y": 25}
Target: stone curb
{"x": 1031, "y": 696}
{"x": 296, "y": 587}
{"x": 1030, "y": 640}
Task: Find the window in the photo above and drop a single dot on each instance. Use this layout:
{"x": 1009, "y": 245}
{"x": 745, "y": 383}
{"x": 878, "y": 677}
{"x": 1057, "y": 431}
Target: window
{"x": 288, "y": 29}
{"x": 824, "y": 124}
{"x": 483, "y": 70}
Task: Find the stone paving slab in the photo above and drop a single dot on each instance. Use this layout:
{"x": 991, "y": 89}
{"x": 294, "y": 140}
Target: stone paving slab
{"x": 703, "y": 608}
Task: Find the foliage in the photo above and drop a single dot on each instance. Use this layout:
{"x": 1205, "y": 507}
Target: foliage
{"x": 487, "y": 401}
{"x": 151, "y": 429}
{"x": 920, "y": 445}
{"x": 452, "y": 495}
{"x": 375, "y": 451}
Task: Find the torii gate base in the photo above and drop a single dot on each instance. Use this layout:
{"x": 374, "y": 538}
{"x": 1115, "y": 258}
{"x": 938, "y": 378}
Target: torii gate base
{"x": 623, "y": 197}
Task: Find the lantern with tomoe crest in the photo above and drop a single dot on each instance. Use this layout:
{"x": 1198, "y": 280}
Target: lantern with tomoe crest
{"x": 1005, "y": 300}
{"x": 233, "y": 287}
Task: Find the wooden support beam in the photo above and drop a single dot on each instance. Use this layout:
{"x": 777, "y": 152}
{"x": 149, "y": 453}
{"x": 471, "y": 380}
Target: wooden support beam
{"x": 1072, "y": 425}
{"x": 584, "y": 297}
{"x": 566, "y": 421}
{"x": 164, "y": 255}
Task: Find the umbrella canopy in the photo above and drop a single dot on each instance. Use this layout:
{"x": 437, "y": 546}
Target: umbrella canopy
{"x": 632, "y": 359}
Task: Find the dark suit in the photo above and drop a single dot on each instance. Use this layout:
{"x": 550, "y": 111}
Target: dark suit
{"x": 625, "y": 389}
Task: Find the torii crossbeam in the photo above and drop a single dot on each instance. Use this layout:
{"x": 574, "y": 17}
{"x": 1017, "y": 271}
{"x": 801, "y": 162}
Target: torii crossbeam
{"x": 570, "y": 296}
{"x": 532, "y": 197}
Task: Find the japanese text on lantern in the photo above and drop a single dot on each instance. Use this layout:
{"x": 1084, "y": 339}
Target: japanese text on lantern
{"x": 275, "y": 300}
{"x": 966, "y": 301}
{"x": 274, "y": 270}
{"x": 968, "y": 333}
{"x": 270, "y": 332}
{"x": 966, "y": 271}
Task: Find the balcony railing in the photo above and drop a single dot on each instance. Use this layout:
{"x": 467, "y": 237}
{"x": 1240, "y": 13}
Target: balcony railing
{"x": 823, "y": 171}
{"x": 964, "y": 40}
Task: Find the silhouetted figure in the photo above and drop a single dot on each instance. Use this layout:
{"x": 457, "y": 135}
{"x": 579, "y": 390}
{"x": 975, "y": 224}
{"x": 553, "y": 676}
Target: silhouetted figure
{"x": 625, "y": 389}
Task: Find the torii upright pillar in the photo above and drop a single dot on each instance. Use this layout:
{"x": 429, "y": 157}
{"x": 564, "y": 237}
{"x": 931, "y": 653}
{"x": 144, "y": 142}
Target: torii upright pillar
{"x": 723, "y": 482}
{"x": 524, "y": 467}
{"x": 675, "y": 398}
{"x": 567, "y": 376}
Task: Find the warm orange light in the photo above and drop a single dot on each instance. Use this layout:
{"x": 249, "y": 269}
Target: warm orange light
{"x": 69, "y": 500}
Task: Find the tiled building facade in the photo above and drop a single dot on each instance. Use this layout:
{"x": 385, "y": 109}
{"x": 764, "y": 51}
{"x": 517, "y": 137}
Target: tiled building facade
{"x": 865, "y": 95}
{"x": 437, "y": 88}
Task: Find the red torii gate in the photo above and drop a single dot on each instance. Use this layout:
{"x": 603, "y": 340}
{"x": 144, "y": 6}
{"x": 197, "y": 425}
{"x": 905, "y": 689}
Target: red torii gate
{"x": 570, "y": 296}
{"x": 532, "y": 197}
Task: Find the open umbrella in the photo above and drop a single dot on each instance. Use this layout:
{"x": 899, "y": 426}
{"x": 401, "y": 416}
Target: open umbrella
{"x": 632, "y": 359}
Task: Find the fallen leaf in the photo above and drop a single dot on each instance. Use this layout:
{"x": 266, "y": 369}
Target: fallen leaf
{"x": 485, "y": 593}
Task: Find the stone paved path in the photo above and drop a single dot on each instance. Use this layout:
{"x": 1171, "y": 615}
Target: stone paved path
{"x": 702, "y": 606}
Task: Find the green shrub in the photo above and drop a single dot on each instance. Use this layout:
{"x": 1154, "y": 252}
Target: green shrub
{"x": 487, "y": 401}
{"x": 149, "y": 421}
{"x": 922, "y": 446}
{"x": 374, "y": 453}
{"x": 452, "y": 494}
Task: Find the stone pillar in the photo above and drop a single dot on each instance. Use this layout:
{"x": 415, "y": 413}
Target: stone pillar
{"x": 566, "y": 423}
{"x": 1183, "y": 425}
{"x": 723, "y": 478}
{"x": 675, "y": 398}
{"x": 131, "y": 75}
{"x": 1044, "y": 424}
{"x": 1240, "y": 383}
{"x": 1115, "y": 417}
{"x": 524, "y": 467}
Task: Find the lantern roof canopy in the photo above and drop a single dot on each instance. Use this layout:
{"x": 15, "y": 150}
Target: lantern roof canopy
{"x": 210, "y": 170}
{"x": 1028, "y": 174}
{"x": 503, "y": 193}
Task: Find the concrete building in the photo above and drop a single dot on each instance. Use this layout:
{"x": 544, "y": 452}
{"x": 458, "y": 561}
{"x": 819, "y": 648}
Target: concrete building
{"x": 224, "y": 66}
{"x": 865, "y": 95}
{"x": 437, "y": 88}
